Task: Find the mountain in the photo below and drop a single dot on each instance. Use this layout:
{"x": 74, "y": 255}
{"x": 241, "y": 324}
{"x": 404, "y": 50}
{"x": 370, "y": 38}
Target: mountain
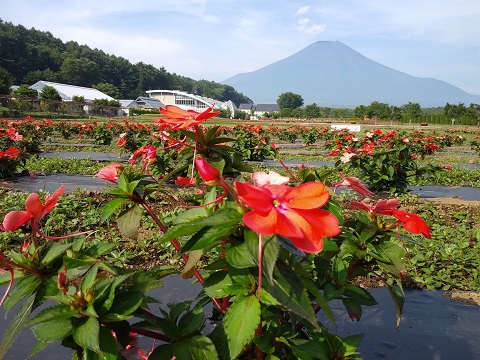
{"x": 330, "y": 73}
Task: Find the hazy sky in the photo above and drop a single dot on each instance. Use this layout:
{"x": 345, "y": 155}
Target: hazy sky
{"x": 217, "y": 39}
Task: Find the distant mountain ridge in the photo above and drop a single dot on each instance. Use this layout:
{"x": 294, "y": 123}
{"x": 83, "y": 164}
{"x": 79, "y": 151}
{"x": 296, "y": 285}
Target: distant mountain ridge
{"x": 330, "y": 73}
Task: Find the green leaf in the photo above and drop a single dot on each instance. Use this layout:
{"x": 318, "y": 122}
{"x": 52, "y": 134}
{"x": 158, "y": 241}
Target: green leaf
{"x": 111, "y": 207}
{"x": 241, "y": 321}
{"x": 221, "y": 217}
{"x": 398, "y": 301}
{"x": 288, "y": 289}
{"x": 89, "y": 278}
{"x": 208, "y": 237}
{"x": 56, "y": 312}
{"x": 25, "y": 286}
{"x": 16, "y": 325}
{"x": 340, "y": 272}
{"x": 108, "y": 345}
{"x": 129, "y": 222}
{"x": 320, "y": 299}
{"x": 202, "y": 348}
{"x": 271, "y": 249}
{"x": 360, "y": 295}
{"x": 190, "y": 215}
{"x": 57, "y": 250}
{"x": 86, "y": 333}
{"x": 53, "y": 330}
{"x": 335, "y": 209}
{"x": 127, "y": 302}
{"x": 240, "y": 256}
{"x": 192, "y": 322}
{"x": 217, "y": 285}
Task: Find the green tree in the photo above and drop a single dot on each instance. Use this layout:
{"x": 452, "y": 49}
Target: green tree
{"x": 340, "y": 113}
{"x": 79, "y": 71}
{"x": 5, "y": 81}
{"x": 78, "y": 99}
{"x": 360, "y": 111}
{"x": 312, "y": 111}
{"x": 289, "y": 100}
{"x": 49, "y": 93}
{"x": 108, "y": 89}
{"x": 24, "y": 91}
{"x": 379, "y": 110}
{"x": 411, "y": 111}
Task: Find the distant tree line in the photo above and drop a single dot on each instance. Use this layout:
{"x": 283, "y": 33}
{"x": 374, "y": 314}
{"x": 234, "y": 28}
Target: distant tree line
{"x": 290, "y": 105}
{"x": 30, "y": 55}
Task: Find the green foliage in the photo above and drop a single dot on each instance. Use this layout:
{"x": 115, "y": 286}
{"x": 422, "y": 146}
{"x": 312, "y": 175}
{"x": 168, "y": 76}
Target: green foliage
{"x": 25, "y": 91}
{"x": 289, "y": 100}
{"x": 50, "y": 93}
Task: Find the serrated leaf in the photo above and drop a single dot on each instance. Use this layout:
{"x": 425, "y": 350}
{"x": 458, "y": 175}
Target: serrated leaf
{"x": 129, "y": 222}
{"x": 271, "y": 249}
{"x": 108, "y": 345}
{"x": 24, "y": 287}
{"x": 360, "y": 295}
{"x": 190, "y": 215}
{"x": 202, "y": 348}
{"x": 208, "y": 237}
{"x": 240, "y": 256}
{"x": 56, "y": 312}
{"x": 191, "y": 322}
{"x": 110, "y": 207}
{"x": 89, "y": 278}
{"x": 288, "y": 289}
{"x": 241, "y": 321}
{"x": 57, "y": 250}
{"x": 86, "y": 333}
{"x": 53, "y": 330}
{"x": 127, "y": 302}
{"x": 16, "y": 325}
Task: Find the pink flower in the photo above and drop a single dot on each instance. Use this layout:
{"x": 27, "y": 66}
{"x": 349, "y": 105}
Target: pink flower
{"x": 355, "y": 184}
{"x": 35, "y": 210}
{"x": 347, "y": 157}
{"x": 261, "y": 178}
{"x": 209, "y": 173}
{"x": 110, "y": 172}
{"x": 381, "y": 207}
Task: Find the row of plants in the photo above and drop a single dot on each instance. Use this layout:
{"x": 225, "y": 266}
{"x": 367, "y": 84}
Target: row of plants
{"x": 270, "y": 251}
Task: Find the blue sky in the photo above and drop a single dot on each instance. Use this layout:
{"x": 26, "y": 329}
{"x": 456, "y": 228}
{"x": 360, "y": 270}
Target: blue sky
{"x": 217, "y": 39}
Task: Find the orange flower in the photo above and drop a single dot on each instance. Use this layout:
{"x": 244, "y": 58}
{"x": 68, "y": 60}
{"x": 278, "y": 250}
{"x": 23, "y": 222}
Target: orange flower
{"x": 35, "y": 211}
{"x": 291, "y": 212}
{"x": 182, "y": 119}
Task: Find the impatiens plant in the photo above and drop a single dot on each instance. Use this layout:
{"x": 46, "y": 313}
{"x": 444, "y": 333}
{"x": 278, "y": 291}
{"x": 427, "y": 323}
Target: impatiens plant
{"x": 275, "y": 251}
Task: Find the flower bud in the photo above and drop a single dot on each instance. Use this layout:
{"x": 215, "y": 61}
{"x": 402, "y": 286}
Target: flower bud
{"x": 209, "y": 173}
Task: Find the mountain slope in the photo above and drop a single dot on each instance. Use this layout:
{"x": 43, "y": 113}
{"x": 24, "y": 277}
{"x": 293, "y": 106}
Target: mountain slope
{"x": 331, "y": 73}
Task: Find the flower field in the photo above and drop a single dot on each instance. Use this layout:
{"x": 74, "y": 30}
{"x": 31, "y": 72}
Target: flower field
{"x": 271, "y": 247}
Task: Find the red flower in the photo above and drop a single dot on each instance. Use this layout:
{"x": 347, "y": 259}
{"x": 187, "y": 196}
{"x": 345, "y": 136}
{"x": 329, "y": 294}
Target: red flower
{"x": 413, "y": 223}
{"x": 35, "y": 210}
{"x": 291, "y": 212}
{"x": 209, "y": 173}
{"x": 110, "y": 172}
{"x": 355, "y": 184}
{"x": 182, "y": 119}
{"x": 184, "y": 181}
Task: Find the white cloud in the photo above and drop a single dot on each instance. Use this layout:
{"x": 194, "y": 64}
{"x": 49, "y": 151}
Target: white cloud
{"x": 303, "y": 10}
{"x": 308, "y": 27}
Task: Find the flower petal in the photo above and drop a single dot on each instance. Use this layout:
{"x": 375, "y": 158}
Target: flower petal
{"x": 34, "y": 205}
{"x": 14, "y": 219}
{"x": 265, "y": 224}
{"x": 258, "y": 198}
{"x": 51, "y": 201}
{"x": 307, "y": 196}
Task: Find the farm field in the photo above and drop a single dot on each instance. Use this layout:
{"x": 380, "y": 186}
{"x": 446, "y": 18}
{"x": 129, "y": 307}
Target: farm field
{"x": 438, "y": 252}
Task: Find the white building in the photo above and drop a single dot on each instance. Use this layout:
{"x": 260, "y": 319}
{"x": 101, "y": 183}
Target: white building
{"x": 188, "y": 101}
{"x": 67, "y": 92}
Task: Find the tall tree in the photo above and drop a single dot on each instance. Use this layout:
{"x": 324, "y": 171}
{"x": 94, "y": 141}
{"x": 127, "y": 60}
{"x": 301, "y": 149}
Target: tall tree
{"x": 289, "y": 100}
{"x": 79, "y": 71}
{"x": 50, "y": 93}
{"x": 411, "y": 110}
{"x": 5, "y": 81}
